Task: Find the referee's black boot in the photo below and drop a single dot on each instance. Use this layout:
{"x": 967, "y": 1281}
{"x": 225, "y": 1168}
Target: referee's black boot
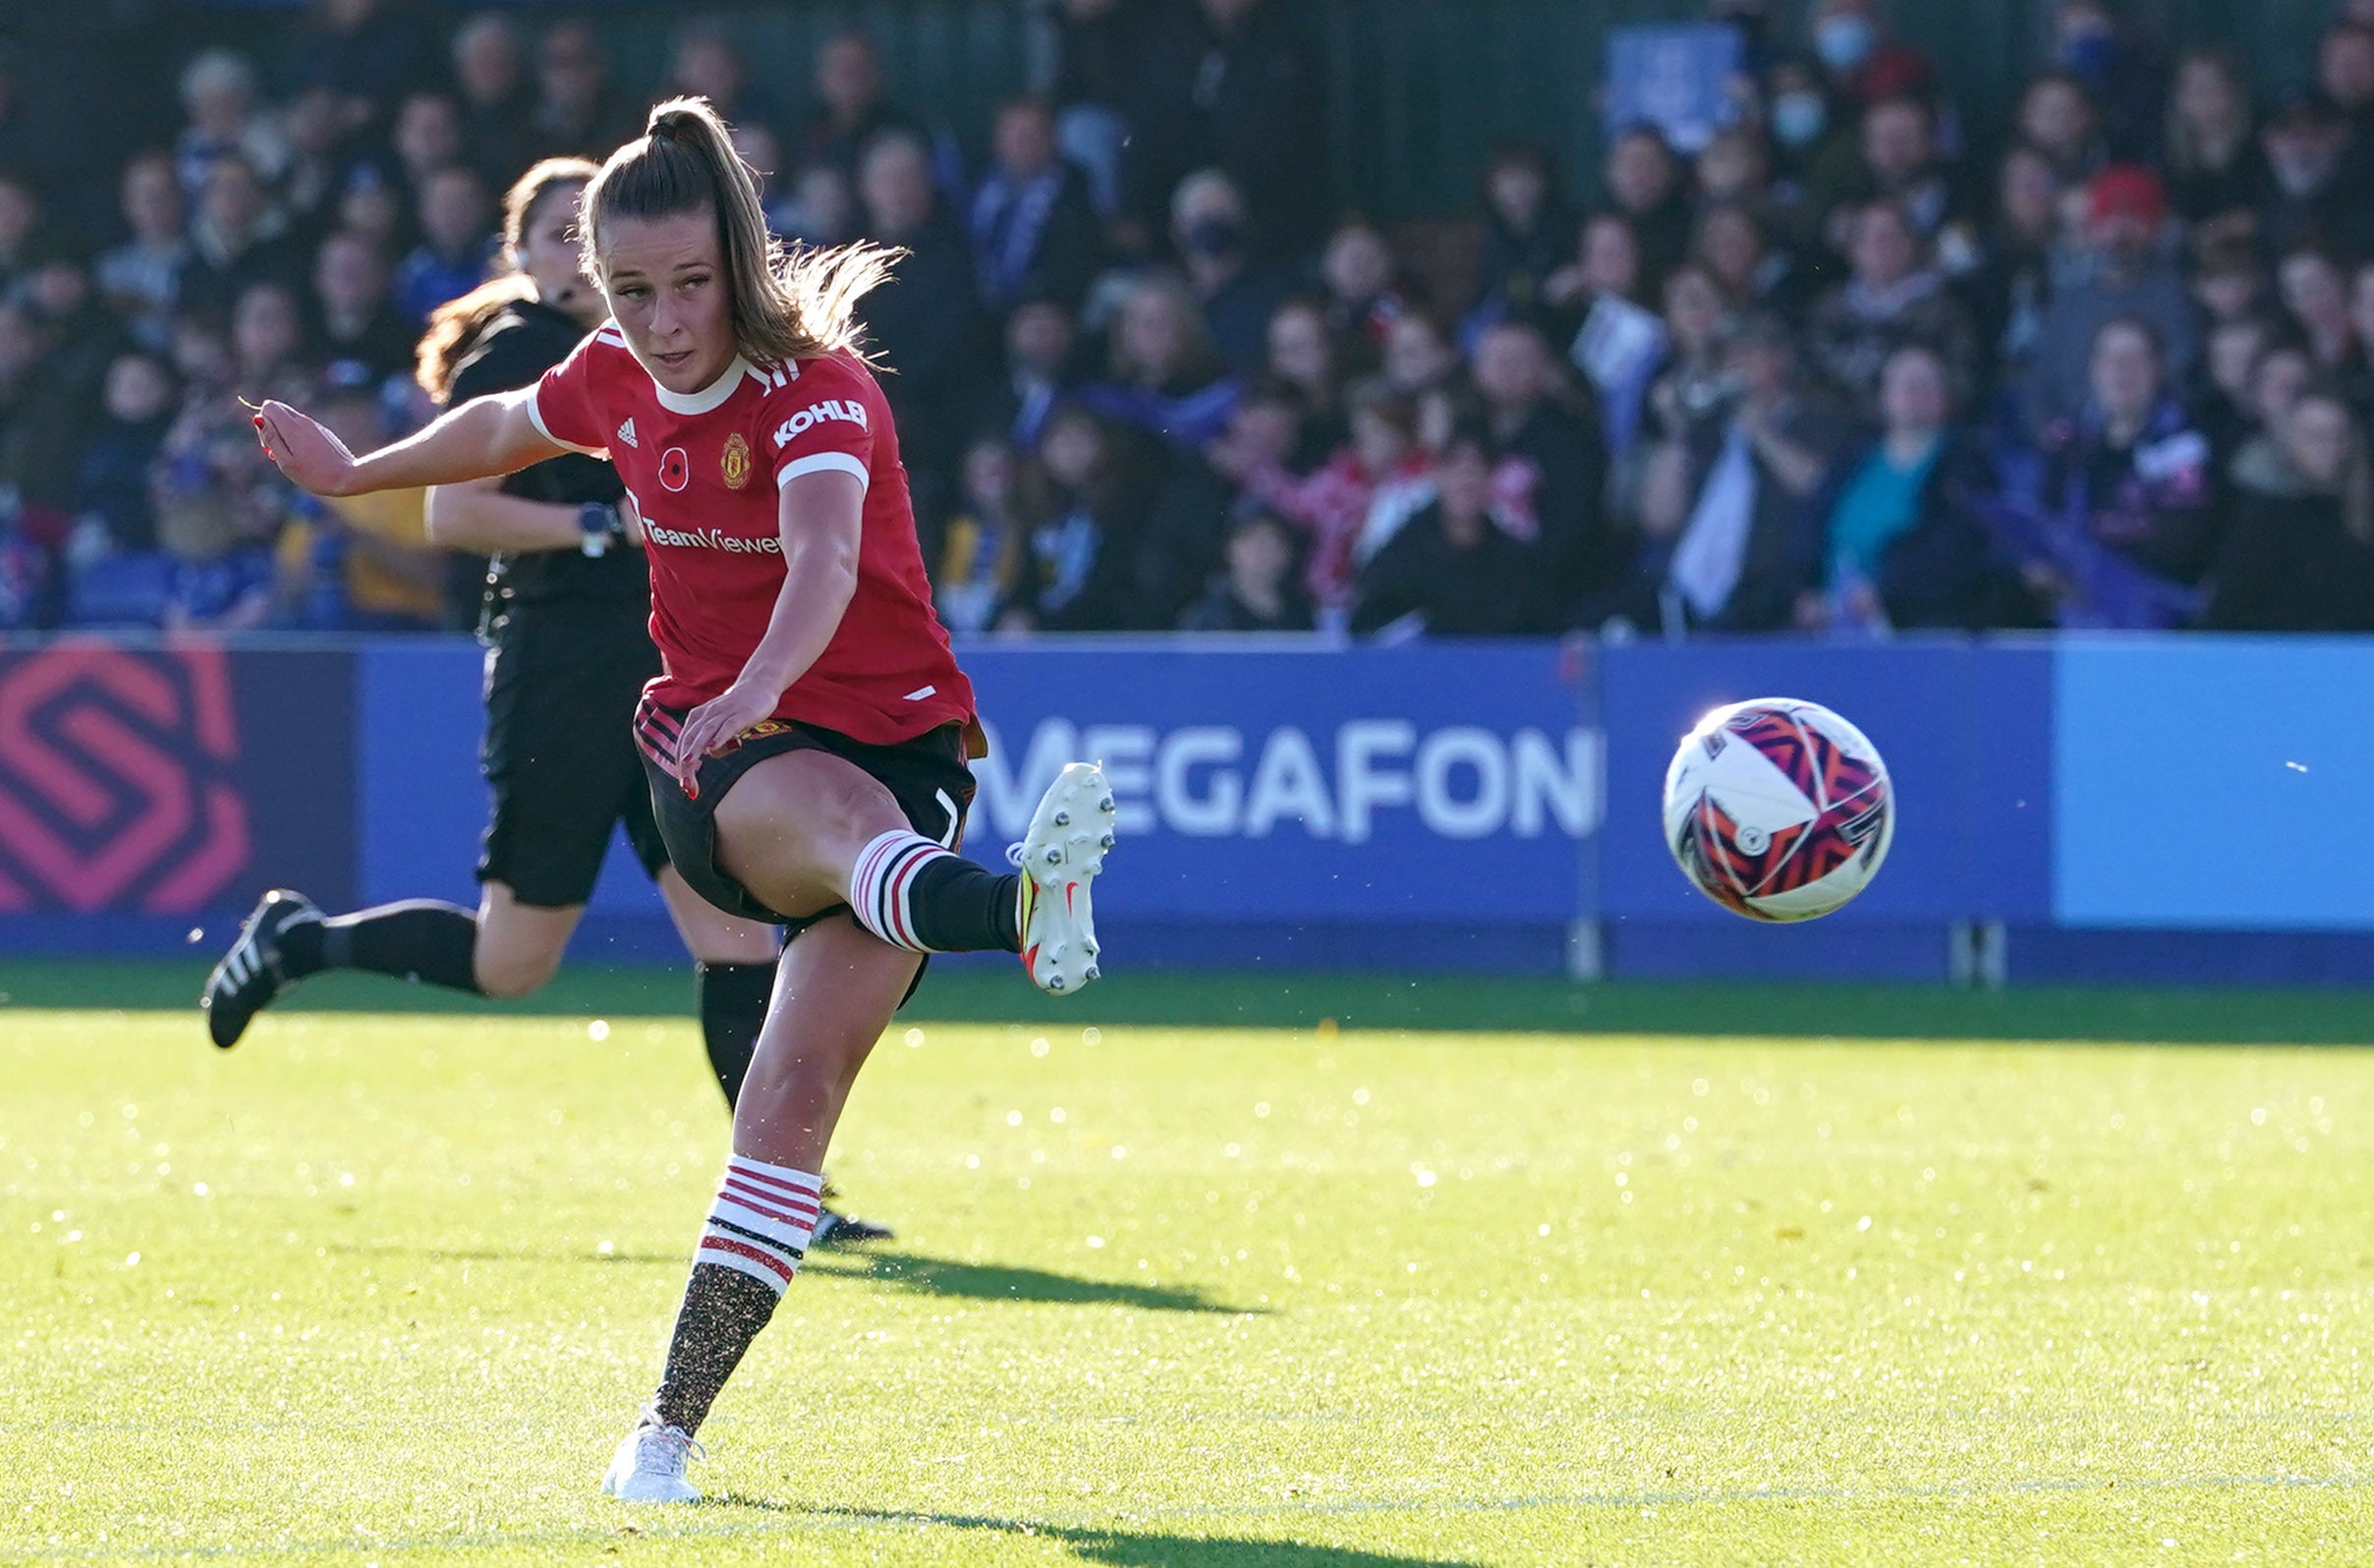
{"x": 252, "y": 975}
{"x": 836, "y": 1229}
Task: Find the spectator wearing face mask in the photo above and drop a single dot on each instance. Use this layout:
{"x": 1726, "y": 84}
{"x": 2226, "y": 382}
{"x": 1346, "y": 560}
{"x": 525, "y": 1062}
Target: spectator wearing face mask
{"x": 2297, "y": 551}
{"x": 1231, "y": 85}
{"x": 2127, "y": 276}
{"x": 1864, "y": 64}
{"x": 1034, "y": 230}
{"x": 1212, "y": 231}
{"x": 1817, "y": 154}
{"x": 2124, "y": 75}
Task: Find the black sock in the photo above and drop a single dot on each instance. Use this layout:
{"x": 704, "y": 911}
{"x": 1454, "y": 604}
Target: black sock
{"x": 723, "y": 1310}
{"x": 912, "y": 893}
{"x": 963, "y": 907}
{"x": 419, "y": 940}
{"x": 733, "y": 1005}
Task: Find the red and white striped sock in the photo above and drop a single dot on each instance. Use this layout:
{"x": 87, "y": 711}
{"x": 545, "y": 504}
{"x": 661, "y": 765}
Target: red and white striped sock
{"x": 881, "y": 887}
{"x": 916, "y": 894}
{"x": 761, "y": 1221}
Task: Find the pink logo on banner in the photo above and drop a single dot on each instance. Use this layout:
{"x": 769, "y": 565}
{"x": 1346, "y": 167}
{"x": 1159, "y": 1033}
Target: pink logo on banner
{"x": 116, "y": 779}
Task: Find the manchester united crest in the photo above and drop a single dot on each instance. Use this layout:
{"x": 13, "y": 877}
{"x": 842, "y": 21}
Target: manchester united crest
{"x": 736, "y": 462}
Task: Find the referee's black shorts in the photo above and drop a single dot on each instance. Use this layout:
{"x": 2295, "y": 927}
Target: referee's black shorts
{"x": 559, "y": 754}
{"x": 928, "y": 776}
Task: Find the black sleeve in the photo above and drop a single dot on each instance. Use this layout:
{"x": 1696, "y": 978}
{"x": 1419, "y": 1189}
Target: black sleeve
{"x": 512, "y": 359}
{"x": 502, "y": 361}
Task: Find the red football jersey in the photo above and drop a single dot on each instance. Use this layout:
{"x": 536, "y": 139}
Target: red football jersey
{"x": 704, "y": 469}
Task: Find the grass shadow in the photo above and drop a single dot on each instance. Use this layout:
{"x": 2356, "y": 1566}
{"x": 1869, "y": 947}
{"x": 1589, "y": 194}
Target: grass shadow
{"x": 945, "y": 1276}
{"x": 1136, "y": 1549}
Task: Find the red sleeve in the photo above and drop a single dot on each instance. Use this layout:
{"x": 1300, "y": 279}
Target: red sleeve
{"x": 820, "y": 420}
{"x": 562, "y": 409}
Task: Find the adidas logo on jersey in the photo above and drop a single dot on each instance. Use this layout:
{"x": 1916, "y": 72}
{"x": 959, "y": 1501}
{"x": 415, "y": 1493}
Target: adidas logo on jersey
{"x": 816, "y": 413}
{"x": 626, "y": 433}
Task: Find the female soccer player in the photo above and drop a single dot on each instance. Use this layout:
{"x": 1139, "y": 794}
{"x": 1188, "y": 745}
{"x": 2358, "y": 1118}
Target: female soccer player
{"x": 570, "y": 661}
{"x": 807, "y": 744}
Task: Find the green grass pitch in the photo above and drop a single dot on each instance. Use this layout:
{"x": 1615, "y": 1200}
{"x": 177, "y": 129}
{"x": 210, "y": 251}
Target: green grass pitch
{"x": 384, "y": 1288}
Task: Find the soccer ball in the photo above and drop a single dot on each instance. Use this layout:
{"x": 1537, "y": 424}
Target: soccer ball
{"x": 1779, "y": 810}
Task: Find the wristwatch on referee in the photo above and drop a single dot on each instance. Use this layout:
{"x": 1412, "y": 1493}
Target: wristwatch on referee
{"x": 599, "y": 521}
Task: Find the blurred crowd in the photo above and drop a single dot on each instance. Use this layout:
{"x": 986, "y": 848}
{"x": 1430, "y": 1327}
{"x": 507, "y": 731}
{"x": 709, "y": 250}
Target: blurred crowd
{"x": 1833, "y": 369}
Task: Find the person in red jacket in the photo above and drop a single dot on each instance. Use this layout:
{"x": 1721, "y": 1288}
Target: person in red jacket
{"x": 807, "y": 740}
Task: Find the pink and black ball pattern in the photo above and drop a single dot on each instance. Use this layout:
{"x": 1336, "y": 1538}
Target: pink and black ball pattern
{"x": 1778, "y": 810}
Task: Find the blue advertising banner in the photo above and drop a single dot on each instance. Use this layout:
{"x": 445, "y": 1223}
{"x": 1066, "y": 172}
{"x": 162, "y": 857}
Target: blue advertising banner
{"x": 2111, "y": 804}
{"x": 1966, "y": 730}
{"x": 1455, "y": 783}
{"x": 2213, "y": 783}
{"x": 145, "y": 789}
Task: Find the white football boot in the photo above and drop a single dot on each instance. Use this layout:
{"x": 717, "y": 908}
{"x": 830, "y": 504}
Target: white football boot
{"x": 1058, "y": 859}
{"x": 649, "y": 1466}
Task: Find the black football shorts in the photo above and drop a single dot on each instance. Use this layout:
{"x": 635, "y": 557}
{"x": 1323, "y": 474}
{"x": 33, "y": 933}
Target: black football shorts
{"x": 928, "y": 776}
{"x": 559, "y": 752}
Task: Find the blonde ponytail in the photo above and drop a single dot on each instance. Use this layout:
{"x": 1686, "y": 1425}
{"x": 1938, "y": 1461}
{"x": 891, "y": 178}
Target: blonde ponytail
{"x": 787, "y": 304}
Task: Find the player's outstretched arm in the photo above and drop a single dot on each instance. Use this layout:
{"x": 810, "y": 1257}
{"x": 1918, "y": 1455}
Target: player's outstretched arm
{"x": 822, "y": 522}
{"x": 480, "y": 439}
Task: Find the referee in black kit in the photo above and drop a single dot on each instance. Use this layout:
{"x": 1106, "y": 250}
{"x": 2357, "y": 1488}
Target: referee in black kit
{"x": 567, "y": 602}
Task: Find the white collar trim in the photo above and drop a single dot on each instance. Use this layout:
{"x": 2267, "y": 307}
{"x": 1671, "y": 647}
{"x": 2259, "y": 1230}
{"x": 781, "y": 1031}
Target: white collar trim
{"x": 708, "y": 397}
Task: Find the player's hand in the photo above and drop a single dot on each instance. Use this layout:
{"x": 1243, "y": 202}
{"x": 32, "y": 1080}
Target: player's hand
{"x": 716, "y": 727}
{"x": 311, "y": 456}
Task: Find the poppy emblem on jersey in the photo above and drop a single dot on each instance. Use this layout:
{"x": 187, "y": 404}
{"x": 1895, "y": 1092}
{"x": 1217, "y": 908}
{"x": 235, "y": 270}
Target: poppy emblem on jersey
{"x": 736, "y": 462}
{"x": 675, "y": 469}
